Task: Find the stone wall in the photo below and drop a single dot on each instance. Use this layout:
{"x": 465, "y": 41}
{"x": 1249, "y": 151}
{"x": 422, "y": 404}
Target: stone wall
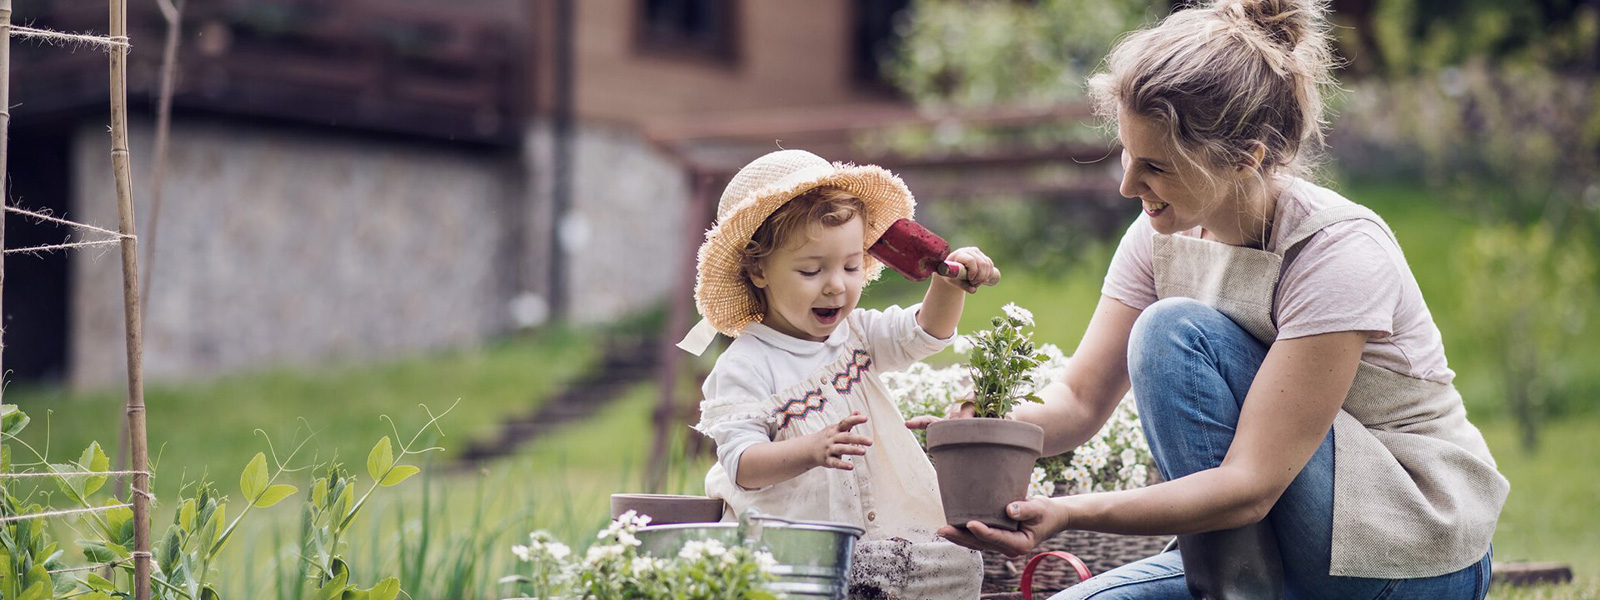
{"x": 286, "y": 246}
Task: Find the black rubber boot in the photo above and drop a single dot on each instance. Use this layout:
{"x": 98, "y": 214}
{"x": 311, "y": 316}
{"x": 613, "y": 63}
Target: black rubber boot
{"x": 1233, "y": 564}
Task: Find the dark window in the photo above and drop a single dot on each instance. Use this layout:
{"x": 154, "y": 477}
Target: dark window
{"x": 688, "y": 28}
{"x": 875, "y": 38}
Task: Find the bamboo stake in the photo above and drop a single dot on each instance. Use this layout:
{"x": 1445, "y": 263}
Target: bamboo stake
{"x": 169, "y": 59}
{"x": 5, "y": 126}
{"x": 130, "y": 301}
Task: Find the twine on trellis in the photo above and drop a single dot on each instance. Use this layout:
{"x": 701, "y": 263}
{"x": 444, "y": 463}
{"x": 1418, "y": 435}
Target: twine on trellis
{"x": 49, "y": 36}
{"x": 73, "y": 474}
{"x": 115, "y": 237}
{"x": 131, "y": 556}
{"x": 63, "y": 512}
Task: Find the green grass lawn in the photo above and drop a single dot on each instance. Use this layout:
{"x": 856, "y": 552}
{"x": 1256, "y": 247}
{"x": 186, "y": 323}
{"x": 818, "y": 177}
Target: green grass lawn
{"x": 210, "y": 428}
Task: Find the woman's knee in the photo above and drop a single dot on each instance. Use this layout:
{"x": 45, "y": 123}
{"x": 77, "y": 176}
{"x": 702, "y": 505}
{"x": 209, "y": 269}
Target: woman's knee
{"x": 1168, "y": 328}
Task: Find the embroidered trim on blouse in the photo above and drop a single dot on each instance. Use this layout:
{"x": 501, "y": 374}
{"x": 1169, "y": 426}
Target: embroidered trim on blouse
{"x": 812, "y": 401}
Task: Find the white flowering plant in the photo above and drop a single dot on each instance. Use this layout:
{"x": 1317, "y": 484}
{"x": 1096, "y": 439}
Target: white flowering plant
{"x": 1116, "y": 458}
{"x": 1003, "y": 362}
{"x": 614, "y": 569}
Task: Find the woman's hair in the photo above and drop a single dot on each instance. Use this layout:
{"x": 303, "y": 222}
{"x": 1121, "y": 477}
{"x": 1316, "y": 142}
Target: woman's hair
{"x": 826, "y": 206}
{"x": 1224, "y": 76}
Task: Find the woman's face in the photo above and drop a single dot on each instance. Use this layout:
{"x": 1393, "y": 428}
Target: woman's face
{"x": 1174, "y": 195}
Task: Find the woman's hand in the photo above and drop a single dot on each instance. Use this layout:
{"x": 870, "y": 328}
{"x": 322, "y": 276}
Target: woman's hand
{"x": 832, "y": 444}
{"x": 1039, "y": 517}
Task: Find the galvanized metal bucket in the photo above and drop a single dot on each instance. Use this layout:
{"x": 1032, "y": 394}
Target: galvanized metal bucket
{"x": 813, "y": 556}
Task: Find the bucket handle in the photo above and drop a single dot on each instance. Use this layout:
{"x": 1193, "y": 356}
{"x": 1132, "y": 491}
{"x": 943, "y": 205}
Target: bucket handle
{"x": 1033, "y": 563}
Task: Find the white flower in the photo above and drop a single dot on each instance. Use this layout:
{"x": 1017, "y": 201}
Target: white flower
{"x": 599, "y": 554}
{"x": 558, "y": 551}
{"x": 1018, "y": 313}
{"x": 522, "y": 552}
{"x": 765, "y": 560}
{"x": 692, "y": 550}
{"x": 627, "y": 539}
{"x": 643, "y": 564}
{"x": 962, "y": 345}
{"x": 1038, "y": 485}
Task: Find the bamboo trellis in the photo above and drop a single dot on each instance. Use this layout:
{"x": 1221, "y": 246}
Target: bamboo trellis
{"x": 116, "y": 45}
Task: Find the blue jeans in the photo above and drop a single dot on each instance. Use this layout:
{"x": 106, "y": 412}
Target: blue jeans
{"x": 1191, "y": 367}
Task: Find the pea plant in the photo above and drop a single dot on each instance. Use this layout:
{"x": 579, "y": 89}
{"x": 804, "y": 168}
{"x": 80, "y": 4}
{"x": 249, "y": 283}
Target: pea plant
{"x": 32, "y": 565}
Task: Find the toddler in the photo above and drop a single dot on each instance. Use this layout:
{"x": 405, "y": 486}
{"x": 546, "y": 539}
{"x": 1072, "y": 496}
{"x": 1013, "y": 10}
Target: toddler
{"x": 803, "y": 426}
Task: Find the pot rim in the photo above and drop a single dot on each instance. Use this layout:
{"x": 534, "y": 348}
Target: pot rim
{"x": 825, "y": 526}
{"x": 960, "y": 432}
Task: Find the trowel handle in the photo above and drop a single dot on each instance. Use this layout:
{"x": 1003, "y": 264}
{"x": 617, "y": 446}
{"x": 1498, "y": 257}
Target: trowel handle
{"x": 950, "y": 268}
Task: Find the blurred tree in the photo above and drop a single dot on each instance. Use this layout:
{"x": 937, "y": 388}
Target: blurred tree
{"x": 1528, "y": 295}
{"x": 975, "y": 53}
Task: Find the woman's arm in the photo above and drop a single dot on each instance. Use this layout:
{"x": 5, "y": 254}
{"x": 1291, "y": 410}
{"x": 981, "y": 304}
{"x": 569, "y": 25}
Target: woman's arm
{"x": 1078, "y": 403}
{"x": 1287, "y": 413}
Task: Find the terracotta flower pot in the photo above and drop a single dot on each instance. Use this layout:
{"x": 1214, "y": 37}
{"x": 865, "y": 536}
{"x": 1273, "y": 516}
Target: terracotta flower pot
{"x": 666, "y": 509}
{"x": 983, "y": 465}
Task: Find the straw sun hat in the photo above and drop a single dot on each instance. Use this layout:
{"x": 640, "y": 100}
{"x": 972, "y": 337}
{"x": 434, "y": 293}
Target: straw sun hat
{"x": 724, "y": 300}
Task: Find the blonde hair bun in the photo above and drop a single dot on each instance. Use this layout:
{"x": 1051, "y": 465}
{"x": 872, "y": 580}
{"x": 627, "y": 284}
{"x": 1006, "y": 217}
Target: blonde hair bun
{"x": 1226, "y": 78}
{"x": 1286, "y": 22}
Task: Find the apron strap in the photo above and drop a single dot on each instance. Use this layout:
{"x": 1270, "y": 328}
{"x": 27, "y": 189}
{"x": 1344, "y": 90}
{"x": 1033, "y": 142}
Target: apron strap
{"x": 1296, "y": 240}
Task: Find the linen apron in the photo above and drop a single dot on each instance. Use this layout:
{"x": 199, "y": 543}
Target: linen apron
{"x": 892, "y": 492}
{"x": 1416, "y": 492}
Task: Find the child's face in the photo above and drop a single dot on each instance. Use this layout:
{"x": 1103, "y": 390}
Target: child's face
{"x": 812, "y": 281}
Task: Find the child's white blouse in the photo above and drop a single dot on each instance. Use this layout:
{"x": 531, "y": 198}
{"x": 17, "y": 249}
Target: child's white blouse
{"x": 763, "y": 361}
{"x": 770, "y": 386}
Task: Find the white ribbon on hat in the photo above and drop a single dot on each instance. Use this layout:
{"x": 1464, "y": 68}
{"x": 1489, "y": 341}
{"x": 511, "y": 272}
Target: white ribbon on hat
{"x": 699, "y": 338}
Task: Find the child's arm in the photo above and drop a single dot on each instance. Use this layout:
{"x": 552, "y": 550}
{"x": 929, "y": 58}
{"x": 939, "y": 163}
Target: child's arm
{"x": 941, "y": 307}
{"x": 764, "y": 464}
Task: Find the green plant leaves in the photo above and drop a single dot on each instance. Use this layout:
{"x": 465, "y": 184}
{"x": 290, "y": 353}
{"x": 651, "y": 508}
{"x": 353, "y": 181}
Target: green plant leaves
{"x": 98, "y": 584}
{"x": 94, "y": 459}
{"x": 274, "y": 495}
{"x": 38, "y": 591}
{"x": 254, "y": 479}
{"x": 12, "y": 420}
{"x": 380, "y": 459}
{"x": 385, "y": 590}
{"x": 398, "y": 474}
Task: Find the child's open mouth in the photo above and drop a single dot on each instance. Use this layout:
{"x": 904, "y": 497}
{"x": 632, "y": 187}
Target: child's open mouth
{"x": 826, "y": 315}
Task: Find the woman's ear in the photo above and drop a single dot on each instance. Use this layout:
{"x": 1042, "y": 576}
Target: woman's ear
{"x": 1253, "y": 157}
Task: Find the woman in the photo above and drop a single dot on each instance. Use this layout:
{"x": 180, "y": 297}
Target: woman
{"x": 1291, "y": 381}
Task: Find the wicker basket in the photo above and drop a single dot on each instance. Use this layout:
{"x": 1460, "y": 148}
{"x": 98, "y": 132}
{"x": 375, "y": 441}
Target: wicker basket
{"x": 1100, "y": 551}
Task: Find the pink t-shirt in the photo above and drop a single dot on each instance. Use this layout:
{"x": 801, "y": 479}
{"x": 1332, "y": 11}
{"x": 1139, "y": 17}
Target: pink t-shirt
{"x": 1351, "y": 276}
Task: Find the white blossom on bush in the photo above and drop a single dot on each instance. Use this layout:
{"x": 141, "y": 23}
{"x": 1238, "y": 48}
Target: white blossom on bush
{"x": 1019, "y": 313}
{"x": 1039, "y": 484}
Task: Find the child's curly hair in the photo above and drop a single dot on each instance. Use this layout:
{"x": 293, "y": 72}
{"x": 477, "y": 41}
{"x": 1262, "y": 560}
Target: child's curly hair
{"x": 826, "y": 206}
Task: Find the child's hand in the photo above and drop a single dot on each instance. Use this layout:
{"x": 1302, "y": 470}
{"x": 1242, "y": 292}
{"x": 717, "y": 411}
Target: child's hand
{"x": 968, "y": 268}
{"x": 963, "y": 410}
{"x": 836, "y": 442}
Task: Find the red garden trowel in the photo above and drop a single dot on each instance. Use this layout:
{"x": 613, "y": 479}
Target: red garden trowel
{"x": 916, "y": 253}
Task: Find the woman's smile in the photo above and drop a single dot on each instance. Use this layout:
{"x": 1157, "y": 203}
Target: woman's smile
{"x": 1154, "y": 208}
